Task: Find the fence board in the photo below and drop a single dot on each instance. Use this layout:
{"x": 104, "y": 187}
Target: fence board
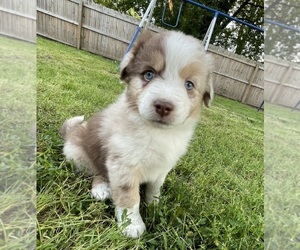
{"x": 282, "y": 85}
{"x": 18, "y": 19}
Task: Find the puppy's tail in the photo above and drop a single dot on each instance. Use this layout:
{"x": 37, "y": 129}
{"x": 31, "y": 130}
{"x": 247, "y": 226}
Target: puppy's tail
{"x": 69, "y": 124}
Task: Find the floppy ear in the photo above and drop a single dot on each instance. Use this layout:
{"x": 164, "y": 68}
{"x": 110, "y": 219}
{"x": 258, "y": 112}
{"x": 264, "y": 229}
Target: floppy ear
{"x": 209, "y": 92}
{"x": 128, "y": 58}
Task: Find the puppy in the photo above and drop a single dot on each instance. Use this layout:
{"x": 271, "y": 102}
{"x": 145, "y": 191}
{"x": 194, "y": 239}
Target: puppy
{"x": 139, "y": 138}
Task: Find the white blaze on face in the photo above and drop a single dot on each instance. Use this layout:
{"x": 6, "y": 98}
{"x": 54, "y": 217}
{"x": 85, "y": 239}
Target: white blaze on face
{"x": 184, "y": 61}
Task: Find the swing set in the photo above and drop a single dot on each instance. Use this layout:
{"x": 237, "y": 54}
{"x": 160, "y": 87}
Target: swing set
{"x": 149, "y": 12}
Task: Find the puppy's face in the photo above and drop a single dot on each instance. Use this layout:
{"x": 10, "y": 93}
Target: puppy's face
{"x": 168, "y": 76}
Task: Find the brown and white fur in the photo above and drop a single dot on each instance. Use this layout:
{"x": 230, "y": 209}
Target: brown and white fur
{"x": 139, "y": 138}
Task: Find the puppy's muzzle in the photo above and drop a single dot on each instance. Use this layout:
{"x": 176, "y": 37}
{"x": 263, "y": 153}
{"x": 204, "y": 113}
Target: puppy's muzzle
{"x": 163, "y": 108}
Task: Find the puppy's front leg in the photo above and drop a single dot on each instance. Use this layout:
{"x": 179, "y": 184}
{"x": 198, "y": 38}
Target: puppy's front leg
{"x": 100, "y": 188}
{"x": 126, "y": 197}
{"x": 153, "y": 189}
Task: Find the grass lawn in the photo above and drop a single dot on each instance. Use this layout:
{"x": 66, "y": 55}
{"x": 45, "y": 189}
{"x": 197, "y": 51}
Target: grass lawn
{"x": 214, "y": 199}
{"x": 17, "y": 144}
{"x": 282, "y": 178}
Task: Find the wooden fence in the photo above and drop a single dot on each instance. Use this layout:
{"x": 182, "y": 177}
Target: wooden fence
{"x": 18, "y": 19}
{"x": 238, "y": 78}
{"x": 106, "y": 32}
{"x": 282, "y": 82}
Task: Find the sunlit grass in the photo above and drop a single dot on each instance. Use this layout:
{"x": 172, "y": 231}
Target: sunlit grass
{"x": 17, "y": 144}
{"x": 282, "y": 175}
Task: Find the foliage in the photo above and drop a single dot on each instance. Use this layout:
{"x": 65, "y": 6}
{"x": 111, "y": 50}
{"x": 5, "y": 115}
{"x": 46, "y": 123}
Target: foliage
{"x": 213, "y": 199}
{"x": 280, "y": 42}
{"x": 240, "y": 38}
{"x": 195, "y": 21}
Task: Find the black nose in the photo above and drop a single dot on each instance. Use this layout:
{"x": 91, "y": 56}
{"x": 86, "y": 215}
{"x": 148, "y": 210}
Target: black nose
{"x": 163, "y": 108}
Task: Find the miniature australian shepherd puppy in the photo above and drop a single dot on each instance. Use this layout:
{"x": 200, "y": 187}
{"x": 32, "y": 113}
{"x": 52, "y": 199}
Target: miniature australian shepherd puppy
{"x": 139, "y": 138}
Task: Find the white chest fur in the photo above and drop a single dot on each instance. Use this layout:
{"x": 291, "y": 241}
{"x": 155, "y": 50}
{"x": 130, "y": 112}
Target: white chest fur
{"x": 152, "y": 151}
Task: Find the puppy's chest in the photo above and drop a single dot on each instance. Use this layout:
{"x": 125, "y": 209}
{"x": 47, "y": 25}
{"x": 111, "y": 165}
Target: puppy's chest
{"x": 152, "y": 150}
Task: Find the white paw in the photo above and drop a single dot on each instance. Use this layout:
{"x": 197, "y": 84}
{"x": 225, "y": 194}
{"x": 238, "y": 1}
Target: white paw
{"x": 101, "y": 191}
{"x": 134, "y": 230}
{"x": 130, "y": 221}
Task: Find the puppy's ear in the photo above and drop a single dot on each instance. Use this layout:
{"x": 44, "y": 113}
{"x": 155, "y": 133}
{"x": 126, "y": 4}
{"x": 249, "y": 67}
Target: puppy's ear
{"x": 209, "y": 90}
{"x": 128, "y": 58}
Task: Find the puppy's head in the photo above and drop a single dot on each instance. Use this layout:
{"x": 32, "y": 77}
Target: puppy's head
{"x": 168, "y": 76}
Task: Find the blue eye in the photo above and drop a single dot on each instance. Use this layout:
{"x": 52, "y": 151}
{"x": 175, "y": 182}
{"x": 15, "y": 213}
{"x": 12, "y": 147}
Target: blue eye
{"x": 189, "y": 85}
{"x": 149, "y": 75}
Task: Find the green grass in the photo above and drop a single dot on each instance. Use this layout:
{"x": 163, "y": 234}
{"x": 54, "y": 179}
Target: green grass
{"x": 17, "y": 139}
{"x": 282, "y": 175}
{"x": 212, "y": 200}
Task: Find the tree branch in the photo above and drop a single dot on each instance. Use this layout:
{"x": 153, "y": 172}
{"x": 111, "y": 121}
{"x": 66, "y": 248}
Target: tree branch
{"x": 225, "y": 23}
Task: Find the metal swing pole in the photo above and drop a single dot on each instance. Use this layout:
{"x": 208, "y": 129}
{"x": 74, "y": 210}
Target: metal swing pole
{"x": 210, "y": 30}
{"x": 140, "y": 26}
{"x": 150, "y": 15}
{"x": 178, "y": 15}
{"x": 261, "y": 105}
